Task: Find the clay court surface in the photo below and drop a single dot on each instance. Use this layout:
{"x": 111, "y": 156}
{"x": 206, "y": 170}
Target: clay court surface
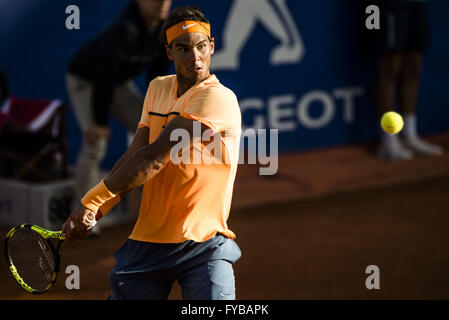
{"x": 310, "y": 231}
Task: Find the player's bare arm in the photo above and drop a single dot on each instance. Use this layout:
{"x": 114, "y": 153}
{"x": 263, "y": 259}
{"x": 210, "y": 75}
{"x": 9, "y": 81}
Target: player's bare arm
{"x": 146, "y": 162}
{"x": 140, "y": 140}
{"x": 80, "y": 216}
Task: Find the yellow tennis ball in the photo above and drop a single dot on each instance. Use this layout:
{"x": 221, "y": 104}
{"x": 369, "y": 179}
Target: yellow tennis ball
{"x": 392, "y": 122}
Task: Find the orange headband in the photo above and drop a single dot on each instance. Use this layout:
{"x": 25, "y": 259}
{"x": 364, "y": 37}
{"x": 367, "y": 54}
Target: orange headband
{"x": 185, "y": 27}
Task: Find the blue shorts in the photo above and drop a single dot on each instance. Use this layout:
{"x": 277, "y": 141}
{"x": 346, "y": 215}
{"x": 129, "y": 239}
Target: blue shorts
{"x": 146, "y": 270}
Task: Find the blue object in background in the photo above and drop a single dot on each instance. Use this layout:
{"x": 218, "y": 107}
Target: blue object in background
{"x": 300, "y": 66}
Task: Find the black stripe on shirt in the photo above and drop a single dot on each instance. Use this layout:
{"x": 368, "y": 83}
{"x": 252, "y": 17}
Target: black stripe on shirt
{"x": 162, "y": 114}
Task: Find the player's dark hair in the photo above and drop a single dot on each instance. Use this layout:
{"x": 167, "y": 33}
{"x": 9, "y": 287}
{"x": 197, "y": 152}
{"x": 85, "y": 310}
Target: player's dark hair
{"x": 182, "y": 14}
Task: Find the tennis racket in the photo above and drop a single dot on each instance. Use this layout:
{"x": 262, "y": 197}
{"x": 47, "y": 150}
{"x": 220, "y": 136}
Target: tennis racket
{"x": 33, "y": 256}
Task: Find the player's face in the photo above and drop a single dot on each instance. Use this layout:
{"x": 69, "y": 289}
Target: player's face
{"x": 154, "y": 9}
{"x": 191, "y": 54}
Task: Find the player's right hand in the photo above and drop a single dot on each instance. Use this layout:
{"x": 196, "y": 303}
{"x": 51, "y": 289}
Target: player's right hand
{"x": 77, "y": 225}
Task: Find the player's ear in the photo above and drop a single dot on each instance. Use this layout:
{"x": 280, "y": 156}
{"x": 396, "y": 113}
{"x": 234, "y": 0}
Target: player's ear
{"x": 169, "y": 51}
{"x": 212, "y": 45}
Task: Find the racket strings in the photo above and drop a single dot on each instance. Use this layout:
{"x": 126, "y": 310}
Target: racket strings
{"x": 32, "y": 257}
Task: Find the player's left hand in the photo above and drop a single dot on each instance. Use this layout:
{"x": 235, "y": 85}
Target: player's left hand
{"x": 77, "y": 224}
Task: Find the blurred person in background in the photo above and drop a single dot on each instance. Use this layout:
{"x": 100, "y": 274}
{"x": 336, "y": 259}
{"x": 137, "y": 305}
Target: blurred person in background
{"x": 100, "y": 82}
{"x": 404, "y": 37}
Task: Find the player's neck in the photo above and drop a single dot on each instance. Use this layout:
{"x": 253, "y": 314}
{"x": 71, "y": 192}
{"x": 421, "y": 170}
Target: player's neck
{"x": 185, "y": 84}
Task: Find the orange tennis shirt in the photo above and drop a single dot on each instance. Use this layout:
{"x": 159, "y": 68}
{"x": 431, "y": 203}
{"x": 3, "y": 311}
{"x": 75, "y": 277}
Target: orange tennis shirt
{"x": 190, "y": 201}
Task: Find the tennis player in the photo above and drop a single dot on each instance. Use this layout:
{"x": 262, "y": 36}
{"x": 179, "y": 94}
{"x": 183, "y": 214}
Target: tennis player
{"x": 181, "y": 233}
